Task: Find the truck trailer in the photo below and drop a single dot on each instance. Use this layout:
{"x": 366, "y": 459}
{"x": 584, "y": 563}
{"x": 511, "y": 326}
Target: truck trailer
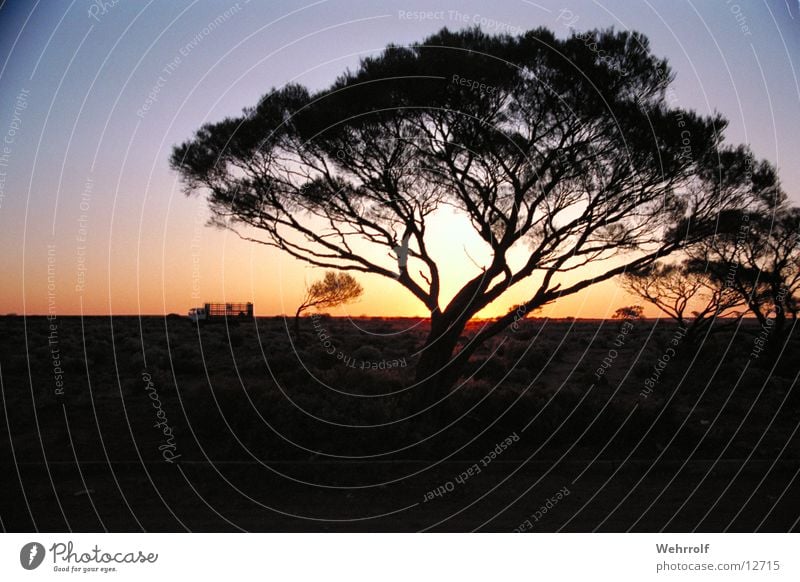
{"x": 221, "y": 311}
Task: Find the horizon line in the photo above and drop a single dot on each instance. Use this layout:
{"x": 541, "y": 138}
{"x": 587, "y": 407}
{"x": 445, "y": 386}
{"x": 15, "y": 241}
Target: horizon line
{"x": 363, "y": 316}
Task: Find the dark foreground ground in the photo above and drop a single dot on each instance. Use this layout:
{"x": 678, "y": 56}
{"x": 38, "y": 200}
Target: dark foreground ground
{"x": 153, "y": 424}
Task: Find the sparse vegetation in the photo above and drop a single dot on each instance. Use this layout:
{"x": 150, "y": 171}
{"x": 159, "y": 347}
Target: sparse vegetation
{"x": 696, "y": 300}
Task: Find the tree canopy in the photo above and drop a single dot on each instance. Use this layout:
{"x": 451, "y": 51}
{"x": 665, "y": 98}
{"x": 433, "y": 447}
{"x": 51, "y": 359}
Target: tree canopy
{"x": 579, "y": 160}
{"x": 693, "y": 298}
{"x": 332, "y": 290}
{"x": 757, "y": 256}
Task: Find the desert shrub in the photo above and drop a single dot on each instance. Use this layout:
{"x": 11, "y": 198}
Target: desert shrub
{"x": 516, "y": 349}
{"x": 319, "y": 359}
{"x": 14, "y": 364}
{"x": 492, "y": 369}
{"x": 99, "y": 352}
{"x": 393, "y": 350}
{"x": 130, "y": 386}
{"x": 536, "y": 358}
{"x": 157, "y": 356}
{"x": 525, "y": 334}
{"x": 134, "y": 361}
{"x": 316, "y": 358}
{"x": 186, "y": 359}
{"x": 586, "y": 377}
{"x": 127, "y": 345}
{"x": 362, "y": 382}
{"x": 641, "y": 370}
{"x": 368, "y": 353}
{"x": 281, "y": 361}
{"x": 520, "y": 375}
{"x": 410, "y": 343}
{"x": 474, "y": 387}
{"x": 236, "y": 338}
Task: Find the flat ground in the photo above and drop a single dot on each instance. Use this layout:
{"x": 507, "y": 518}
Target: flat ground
{"x": 271, "y": 432}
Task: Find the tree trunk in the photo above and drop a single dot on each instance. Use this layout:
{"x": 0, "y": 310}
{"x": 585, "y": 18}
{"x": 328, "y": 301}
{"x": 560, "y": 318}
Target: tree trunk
{"x": 777, "y": 338}
{"x": 297, "y": 321}
{"x": 439, "y": 367}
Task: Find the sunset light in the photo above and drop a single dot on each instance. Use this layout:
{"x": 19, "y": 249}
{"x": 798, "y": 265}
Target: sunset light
{"x": 400, "y": 266}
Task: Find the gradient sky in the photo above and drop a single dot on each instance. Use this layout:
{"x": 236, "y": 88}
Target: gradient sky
{"x": 84, "y": 179}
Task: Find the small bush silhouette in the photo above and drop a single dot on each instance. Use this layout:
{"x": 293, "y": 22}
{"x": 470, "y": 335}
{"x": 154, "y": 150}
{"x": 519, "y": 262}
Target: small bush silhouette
{"x": 331, "y": 291}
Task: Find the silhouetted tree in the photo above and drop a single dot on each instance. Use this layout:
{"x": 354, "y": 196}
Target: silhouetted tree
{"x": 628, "y": 312}
{"x": 694, "y": 299}
{"x": 332, "y": 290}
{"x": 757, "y": 256}
{"x": 578, "y": 161}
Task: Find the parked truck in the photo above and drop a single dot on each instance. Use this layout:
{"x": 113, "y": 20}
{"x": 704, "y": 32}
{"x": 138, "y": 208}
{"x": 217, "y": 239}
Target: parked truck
{"x": 221, "y": 311}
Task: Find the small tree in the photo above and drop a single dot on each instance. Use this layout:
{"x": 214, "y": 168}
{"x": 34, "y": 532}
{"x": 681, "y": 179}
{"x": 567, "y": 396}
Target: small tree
{"x": 689, "y": 296}
{"x": 628, "y": 312}
{"x": 758, "y": 257}
{"x": 332, "y": 290}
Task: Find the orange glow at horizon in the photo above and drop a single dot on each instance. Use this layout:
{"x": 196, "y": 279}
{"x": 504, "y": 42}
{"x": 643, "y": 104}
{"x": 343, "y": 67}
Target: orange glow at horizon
{"x": 151, "y": 276}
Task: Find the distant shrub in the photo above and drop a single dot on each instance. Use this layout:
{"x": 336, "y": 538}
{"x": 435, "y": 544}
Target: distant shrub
{"x": 128, "y": 345}
{"x": 315, "y": 358}
{"x": 279, "y": 362}
{"x": 254, "y": 364}
{"x": 536, "y": 358}
{"x": 186, "y": 359}
{"x": 135, "y": 361}
{"x": 236, "y": 339}
{"x": 157, "y": 356}
{"x": 517, "y": 349}
{"x": 629, "y": 312}
{"x": 368, "y": 353}
{"x": 99, "y": 353}
{"x": 14, "y": 364}
{"x": 130, "y": 386}
{"x": 520, "y": 375}
{"x": 492, "y": 369}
